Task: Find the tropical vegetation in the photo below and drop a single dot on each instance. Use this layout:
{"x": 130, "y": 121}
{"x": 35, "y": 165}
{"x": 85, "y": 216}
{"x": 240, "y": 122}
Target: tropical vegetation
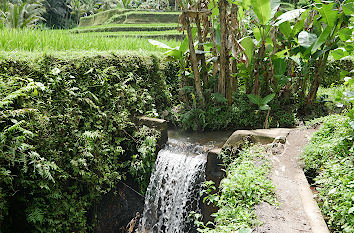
{"x": 68, "y": 100}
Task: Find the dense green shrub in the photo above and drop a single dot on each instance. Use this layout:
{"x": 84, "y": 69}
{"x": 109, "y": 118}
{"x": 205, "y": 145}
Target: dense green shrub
{"x": 329, "y": 161}
{"x": 67, "y": 136}
{"x": 240, "y": 115}
{"x": 245, "y": 185}
{"x": 333, "y": 70}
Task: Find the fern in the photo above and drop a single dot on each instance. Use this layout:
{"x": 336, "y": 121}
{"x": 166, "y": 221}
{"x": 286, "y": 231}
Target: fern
{"x": 8, "y": 100}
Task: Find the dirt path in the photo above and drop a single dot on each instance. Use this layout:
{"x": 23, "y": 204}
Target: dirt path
{"x": 296, "y": 211}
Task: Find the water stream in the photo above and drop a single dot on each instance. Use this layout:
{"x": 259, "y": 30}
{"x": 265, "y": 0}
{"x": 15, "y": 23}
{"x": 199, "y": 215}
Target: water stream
{"x": 174, "y": 189}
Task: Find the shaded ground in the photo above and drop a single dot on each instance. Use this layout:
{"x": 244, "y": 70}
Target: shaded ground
{"x": 290, "y": 216}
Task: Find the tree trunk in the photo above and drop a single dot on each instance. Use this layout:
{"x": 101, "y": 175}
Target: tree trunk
{"x": 258, "y": 69}
{"x": 315, "y": 84}
{"x": 224, "y": 59}
{"x": 234, "y": 81}
{"x": 203, "y": 73}
{"x": 194, "y": 60}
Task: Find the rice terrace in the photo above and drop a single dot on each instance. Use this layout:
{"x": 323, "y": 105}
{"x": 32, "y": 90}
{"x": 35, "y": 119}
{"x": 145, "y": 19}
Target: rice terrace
{"x": 176, "y": 116}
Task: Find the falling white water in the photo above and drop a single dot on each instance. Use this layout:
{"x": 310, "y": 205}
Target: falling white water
{"x": 174, "y": 189}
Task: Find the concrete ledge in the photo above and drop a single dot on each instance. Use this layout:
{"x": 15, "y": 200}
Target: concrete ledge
{"x": 311, "y": 208}
{"x": 214, "y": 171}
{"x": 158, "y": 124}
{"x": 264, "y": 136}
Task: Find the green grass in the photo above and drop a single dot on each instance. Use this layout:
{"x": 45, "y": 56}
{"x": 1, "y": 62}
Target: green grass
{"x": 141, "y": 33}
{"x": 126, "y": 27}
{"x": 49, "y": 40}
{"x": 158, "y": 35}
{"x": 131, "y": 25}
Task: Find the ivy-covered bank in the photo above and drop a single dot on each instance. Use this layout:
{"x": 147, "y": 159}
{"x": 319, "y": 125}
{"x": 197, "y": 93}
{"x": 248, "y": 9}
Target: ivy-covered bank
{"x": 67, "y": 134}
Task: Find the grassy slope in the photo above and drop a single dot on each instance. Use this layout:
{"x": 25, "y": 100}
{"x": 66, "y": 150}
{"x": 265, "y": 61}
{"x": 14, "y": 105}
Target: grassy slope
{"x": 129, "y": 16}
{"x": 100, "y": 18}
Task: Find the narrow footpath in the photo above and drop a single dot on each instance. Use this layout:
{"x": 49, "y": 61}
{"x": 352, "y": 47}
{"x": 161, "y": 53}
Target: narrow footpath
{"x": 297, "y": 211}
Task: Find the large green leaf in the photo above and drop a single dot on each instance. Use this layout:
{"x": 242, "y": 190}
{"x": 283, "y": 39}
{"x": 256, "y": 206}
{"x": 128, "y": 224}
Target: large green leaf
{"x": 262, "y": 10}
{"x": 274, "y": 5}
{"x": 268, "y": 98}
{"x": 348, "y": 8}
{"x": 264, "y": 107}
{"x": 257, "y": 34}
{"x": 285, "y": 28}
{"x": 218, "y": 35}
{"x": 329, "y": 15}
{"x": 177, "y": 54}
{"x": 290, "y": 15}
{"x": 345, "y": 34}
{"x": 279, "y": 66}
{"x": 299, "y": 26}
{"x": 159, "y": 44}
{"x": 321, "y": 39}
{"x": 306, "y": 39}
{"x": 247, "y": 44}
{"x": 184, "y": 46}
{"x": 255, "y": 99}
{"x": 339, "y": 53}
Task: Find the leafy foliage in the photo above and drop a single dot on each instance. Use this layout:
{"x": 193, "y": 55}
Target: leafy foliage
{"x": 67, "y": 137}
{"x": 245, "y": 186}
{"x": 240, "y": 115}
{"x": 329, "y": 156}
{"x": 22, "y": 14}
{"x": 143, "y": 162}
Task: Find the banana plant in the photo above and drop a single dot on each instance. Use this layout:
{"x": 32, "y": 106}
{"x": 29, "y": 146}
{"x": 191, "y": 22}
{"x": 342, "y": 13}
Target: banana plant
{"x": 331, "y": 27}
{"x": 262, "y": 104}
{"x": 178, "y": 54}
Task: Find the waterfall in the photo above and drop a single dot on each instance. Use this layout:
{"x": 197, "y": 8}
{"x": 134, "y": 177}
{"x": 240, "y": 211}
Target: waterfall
{"x": 174, "y": 189}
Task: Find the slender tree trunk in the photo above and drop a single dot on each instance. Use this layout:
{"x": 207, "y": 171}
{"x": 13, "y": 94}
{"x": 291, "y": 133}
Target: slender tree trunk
{"x": 203, "y": 73}
{"x": 315, "y": 84}
{"x": 234, "y": 82}
{"x": 224, "y": 60}
{"x": 259, "y": 67}
{"x": 194, "y": 60}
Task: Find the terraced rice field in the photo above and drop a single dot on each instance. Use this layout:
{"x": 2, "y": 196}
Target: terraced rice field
{"x": 130, "y": 24}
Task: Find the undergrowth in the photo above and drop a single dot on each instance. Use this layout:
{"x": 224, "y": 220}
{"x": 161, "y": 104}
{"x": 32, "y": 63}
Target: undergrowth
{"x": 217, "y": 115}
{"x": 245, "y": 186}
{"x": 329, "y": 156}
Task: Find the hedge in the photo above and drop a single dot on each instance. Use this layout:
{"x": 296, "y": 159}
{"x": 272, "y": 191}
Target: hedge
{"x": 67, "y": 134}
